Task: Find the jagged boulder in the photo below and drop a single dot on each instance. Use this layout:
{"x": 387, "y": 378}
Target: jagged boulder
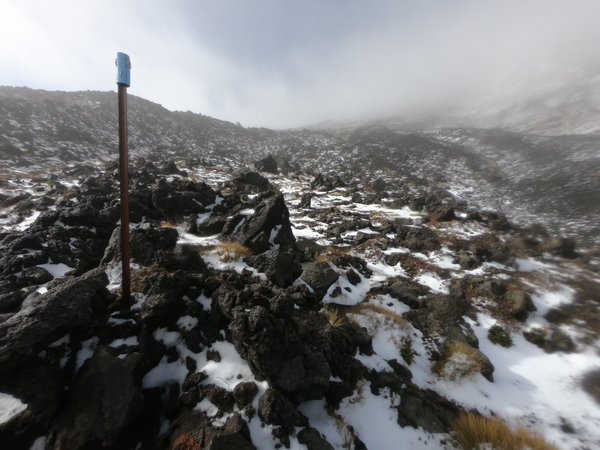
{"x": 427, "y": 409}
{"x": 81, "y": 215}
{"x": 267, "y": 164}
{"x": 143, "y": 244}
{"x": 182, "y": 258}
{"x": 274, "y": 352}
{"x": 275, "y": 409}
{"x": 103, "y": 406}
{"x": 41, "y": 388}
{"x": 72, "y": 304}
{"x": 306, "y": 200}
{"x": 269, "y": 225}
{"x": 313, "y": 439}
{"x": 193, "y": 430}
{"x": 319, "y": 276}
{"x": 248, "y": 180}
{"x": 518, "y": 304}
{"x": 180, "y": 198}
{"x": 280, "y": 267}
{"x": 558, "y": 245}
{"x": 165, "y": 296}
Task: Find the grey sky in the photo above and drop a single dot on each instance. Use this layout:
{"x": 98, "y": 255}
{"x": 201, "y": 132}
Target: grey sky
{"x": 287, "y": 63}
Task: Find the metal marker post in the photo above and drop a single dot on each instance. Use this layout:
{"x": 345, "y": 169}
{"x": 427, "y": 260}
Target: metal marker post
{"x": 123, "y": 81}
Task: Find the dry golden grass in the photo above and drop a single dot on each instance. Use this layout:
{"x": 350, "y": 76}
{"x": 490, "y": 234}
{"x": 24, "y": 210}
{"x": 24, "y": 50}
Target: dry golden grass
{"x": 366, "y": 307}
{"x": 231, "y": 251}
{"x": 167, "y": 223}
{"x": 330, "y": 252}
{"x": 474, "y": 431}
{"x": 460, "y": 361}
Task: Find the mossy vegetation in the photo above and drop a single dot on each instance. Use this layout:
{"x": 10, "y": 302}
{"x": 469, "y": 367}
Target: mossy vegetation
{"x": 500, "y": 336}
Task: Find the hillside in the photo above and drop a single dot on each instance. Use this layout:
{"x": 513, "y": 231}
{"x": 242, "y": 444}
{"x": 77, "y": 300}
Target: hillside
{"x": 342, "y": 288}
{"x": 530, "y": 177}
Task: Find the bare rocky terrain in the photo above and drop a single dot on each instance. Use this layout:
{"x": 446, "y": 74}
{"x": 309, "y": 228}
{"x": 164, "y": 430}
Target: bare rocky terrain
{"x": 290, "y": 286}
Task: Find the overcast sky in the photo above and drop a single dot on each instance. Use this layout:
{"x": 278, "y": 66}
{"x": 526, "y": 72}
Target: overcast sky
{"x": 288, "y": 63}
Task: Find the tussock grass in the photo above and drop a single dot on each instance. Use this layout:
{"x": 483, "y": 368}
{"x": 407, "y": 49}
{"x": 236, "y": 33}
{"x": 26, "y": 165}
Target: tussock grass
{"x": 167, "y": 223}
{"x": 460, "y": 361}
{"x": 365, "y": 308}
{"x": 335, "y": 316}
{"x": 475, "y": 432}
{"x": 231, "y": 251}
{"x": 330, "y": 252}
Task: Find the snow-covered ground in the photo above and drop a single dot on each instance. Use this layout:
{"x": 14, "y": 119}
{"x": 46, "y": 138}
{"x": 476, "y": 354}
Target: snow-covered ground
{"x": 536, "y": 389}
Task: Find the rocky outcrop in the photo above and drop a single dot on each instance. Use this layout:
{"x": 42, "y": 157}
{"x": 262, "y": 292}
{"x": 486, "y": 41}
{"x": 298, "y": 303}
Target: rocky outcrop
{"x": 179, "y": 198}
{"x": 73, "y": 304}
{"x": 88, "y": 371}
{"x": 269, "y": 225}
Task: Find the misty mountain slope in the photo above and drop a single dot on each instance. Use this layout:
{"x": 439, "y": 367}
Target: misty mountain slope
{"x": 569, "y": 104}
{"x": 531, "y": 177}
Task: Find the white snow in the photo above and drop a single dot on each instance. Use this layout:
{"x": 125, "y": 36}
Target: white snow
{"x": 10, "y": 407}
{"x": 56, "y": 270}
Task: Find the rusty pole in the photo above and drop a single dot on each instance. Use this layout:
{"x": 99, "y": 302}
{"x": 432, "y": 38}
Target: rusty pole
{"x": 124, "y": 183}
{"x": 123, "y": 64}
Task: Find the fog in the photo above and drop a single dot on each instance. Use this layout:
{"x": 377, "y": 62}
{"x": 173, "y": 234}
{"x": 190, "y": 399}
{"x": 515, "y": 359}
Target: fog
{"x": 288, "y": 64}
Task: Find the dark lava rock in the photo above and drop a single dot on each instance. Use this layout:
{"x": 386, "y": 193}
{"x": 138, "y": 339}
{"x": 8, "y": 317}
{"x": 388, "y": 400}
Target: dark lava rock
{"x": 280, "y": 267}
{"x": 276, "y": 409}
{"x": 275, "y": 352}
{"x": 270, "y": 224}
{"x": 72, "y": 304}
{"x": 143, "y": 243}
{"x": 519, "y": 304}
{"x": 81, "y": 215}
{"x": 103, "y": 405}
{"x": 320, "y": 276}
{"x": 41, "y": 387}
{"x": 218, "y": 396}
{"x": 181, "y": 198}
{"x": 313, "y": 439}
{"x": 559, "y": 342}
{"x": 427, "y": 409}
{"x": 34, "y": 276}
{"x": 267, "y": 164}
{"x": 182, "y": 258}
{"x": 353, "y": 277}
{"x": 165, "y": 291}
{"x": 405, "y": 293}
{"x": 305, "y": 200}
{"x": 209, "y": 227}
{"x": 244, "y": 393}
{"x": 245, "y": 177}
{"x": 193, "y": 430}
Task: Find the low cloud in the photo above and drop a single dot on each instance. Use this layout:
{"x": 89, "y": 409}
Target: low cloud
{"x": 281, "y": 65}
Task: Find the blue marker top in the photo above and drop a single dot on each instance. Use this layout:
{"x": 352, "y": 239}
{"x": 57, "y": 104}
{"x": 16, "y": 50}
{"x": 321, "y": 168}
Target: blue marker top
{"x": 123, "y": 64}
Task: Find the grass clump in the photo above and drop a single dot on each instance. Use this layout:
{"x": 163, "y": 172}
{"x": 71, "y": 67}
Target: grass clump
{"x": 331, "y": 252}
{"x": 366, "y": 308}
{"x": 407, "y": 351}
{"x": 231, "y": 251}
{"x": 476, "y": 432}
{"x": 460, "y": 361}
{"x": 335, "y": 316}
{"x": 500, "y": 336}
